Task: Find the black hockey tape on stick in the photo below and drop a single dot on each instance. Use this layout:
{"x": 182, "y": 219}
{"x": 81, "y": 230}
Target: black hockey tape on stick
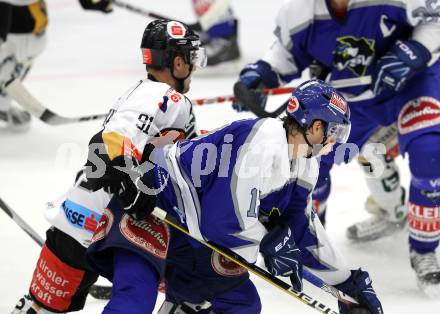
{"x": 22, "y": 96}
{"x": 265, "y": 275}
{"x": 96, "y": 291}
{"x": 247, "y": 97}
{"x": 138, "y": 10}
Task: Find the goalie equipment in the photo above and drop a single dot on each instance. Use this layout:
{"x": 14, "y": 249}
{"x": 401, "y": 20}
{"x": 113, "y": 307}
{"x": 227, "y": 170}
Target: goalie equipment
{"x": 379, "y": 225}
{"x": 427, "y": 270}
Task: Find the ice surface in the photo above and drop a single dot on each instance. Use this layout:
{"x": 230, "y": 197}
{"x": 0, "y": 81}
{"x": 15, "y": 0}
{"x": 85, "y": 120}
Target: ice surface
{"x": 90, "y": 60}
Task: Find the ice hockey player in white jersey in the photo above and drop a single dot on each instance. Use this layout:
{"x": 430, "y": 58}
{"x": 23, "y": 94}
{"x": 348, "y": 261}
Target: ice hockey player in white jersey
{"x": 397, "y": 43}
{"x": 219, "y": 185}
{"x": 152, "y": 107}
{"x": 23, "y": 26}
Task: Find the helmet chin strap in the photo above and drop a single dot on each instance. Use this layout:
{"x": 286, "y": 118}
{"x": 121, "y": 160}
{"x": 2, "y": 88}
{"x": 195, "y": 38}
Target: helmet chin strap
{"x": 180, "y": 82}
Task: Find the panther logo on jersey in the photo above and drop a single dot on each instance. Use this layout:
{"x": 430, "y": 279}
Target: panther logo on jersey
{"x": 353, "y": 53}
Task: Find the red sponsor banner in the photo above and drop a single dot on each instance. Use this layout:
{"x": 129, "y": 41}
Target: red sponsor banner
{"x": 226, "y": 267}
{"x": 146, "y": 56}
{"x": 150, "y": 234}
{"x": 176, "y": 29}
{"x": 338, "y": 103}
{"x": 426, "y": 219}
{"x": 54, "y": 282}
{"x": 418, "y": 114}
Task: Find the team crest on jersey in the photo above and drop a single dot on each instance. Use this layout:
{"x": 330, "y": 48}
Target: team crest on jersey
{"x": 150, "y": 234}
{"x": 104, "y": 225}
{"x": 417, "y": 114}
{"x": 354, "y": 54}
{"x": 225, "y": 267}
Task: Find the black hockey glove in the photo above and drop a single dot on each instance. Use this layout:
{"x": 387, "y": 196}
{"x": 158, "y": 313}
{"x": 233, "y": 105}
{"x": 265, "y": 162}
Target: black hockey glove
{"x": 98, "y": 5}
{"x": 281, "y": 256}
{"x": 134, "y": 186}
{"x": 359, "y": 286}
{"x": 256, "y": 76}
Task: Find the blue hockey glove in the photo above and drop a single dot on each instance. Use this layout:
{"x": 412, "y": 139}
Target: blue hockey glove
{"x": 257, "y": 75}
{"x": 359, "y": 286}
{"x": 399, "y": 65}
{"x": 281, "y": 256}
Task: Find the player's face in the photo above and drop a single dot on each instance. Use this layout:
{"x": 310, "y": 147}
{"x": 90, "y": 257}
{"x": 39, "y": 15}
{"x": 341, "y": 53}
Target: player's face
{"x": 316, "y": 136}
{"x": 182, "y": 70}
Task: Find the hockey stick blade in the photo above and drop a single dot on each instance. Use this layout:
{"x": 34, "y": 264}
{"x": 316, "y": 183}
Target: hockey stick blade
{"x": 97, "y": 291}
{"x": 263, "y": 274}
{"x": 247, "y": 97}
{"x": 138, "y": 10}
{"x": 20, "y": 94}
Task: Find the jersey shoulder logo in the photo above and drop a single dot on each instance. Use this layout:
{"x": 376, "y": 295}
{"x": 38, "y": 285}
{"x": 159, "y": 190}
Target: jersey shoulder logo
{"x": 353, "y": 53}
{"x": 386, "y": 31}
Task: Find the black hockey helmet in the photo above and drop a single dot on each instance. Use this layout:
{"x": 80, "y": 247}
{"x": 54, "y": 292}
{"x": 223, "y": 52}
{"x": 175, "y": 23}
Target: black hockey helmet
{"x": 163, "y": 40}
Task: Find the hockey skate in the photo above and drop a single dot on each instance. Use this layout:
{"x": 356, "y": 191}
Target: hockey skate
{"x": 169, "y": 307}
{"x": 427, "y": 270}
{"x": 15, "y": 119}
{"x": 378, "y": 225}
{"x": 223, "y": 55}
{"x": 26, "y": 305}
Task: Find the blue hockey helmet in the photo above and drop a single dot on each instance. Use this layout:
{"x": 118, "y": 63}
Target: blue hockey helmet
{"x": 315, "y": 100}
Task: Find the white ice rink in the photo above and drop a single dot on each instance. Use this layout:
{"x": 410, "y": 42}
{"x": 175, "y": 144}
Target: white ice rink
{"x": 90, "y": 60}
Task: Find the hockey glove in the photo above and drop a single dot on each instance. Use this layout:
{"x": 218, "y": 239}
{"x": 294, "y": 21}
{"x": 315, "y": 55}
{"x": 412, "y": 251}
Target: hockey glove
{"x": 98, "y": 5}
{"x": 124, "y": 178}
{"x": 281, "y": 256}
{"x": 359, "y": 286}
{"x": 9, "y": 69}
{"x": 256, "y": 76}
{"x": 399, "y": 65}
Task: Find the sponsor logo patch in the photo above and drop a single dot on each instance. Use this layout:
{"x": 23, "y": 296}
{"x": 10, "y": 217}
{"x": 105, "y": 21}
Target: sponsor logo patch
{"x": 417, "y": 114}
{"x": 151, "y": 234}
{"x": 338, "y": 103}
{"x": 54, "y": 282}
{"x": 104, "y": 225}
{"x": 425, "y": 219}
{"x": 293, "y": 104}
{"x": 80, "y": 217}
{"x": 176, "y": 30}
{"x": 225, "y": 267}
{"x": 146, "y": 56}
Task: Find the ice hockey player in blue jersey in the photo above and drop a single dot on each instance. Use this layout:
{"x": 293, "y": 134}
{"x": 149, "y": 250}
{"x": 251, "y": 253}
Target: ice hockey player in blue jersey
{"x": 396, "y": 43}
{"x": 219, "y": 186}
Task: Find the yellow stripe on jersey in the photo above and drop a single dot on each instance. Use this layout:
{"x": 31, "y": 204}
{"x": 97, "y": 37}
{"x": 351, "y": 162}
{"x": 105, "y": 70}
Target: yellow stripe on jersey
{"x": 38, "y": 11}
{"x": 118, "y": 145}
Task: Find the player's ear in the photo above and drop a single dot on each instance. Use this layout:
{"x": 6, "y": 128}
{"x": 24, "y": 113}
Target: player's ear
{"x": 316, "y": 127}
{"x": 178, "y": 62}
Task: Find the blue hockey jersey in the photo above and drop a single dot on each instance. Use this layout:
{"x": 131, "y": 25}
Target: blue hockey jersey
{"x": 219, "y": 184}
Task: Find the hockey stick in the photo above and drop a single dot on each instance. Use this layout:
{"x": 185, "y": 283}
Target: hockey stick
{"x": 220, "y": 99}
{"x": 96, "y": 291}
{"x": 265, "y": 275}
{"x": 204, "y": 22}
{"x": 244, "y": 95}
{"x": 17, "y": 91}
